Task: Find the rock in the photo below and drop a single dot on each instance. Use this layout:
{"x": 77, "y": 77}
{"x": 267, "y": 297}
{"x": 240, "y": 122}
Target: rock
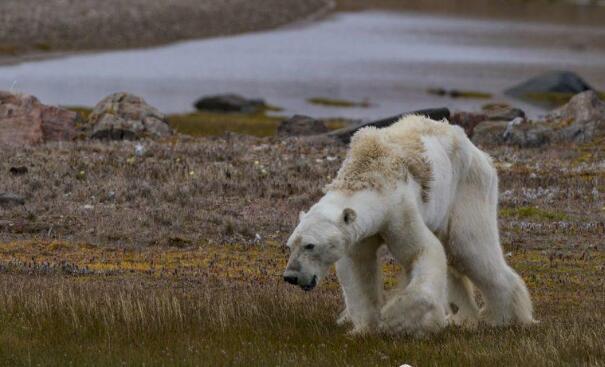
{"x": 125, "y": 116}
{"x": 345, "y": 134}
{"x": 489, "y": 133}
{"x": 18, "y": 171}
{"x": 299, "y": 125}
{"x": 518, "y": 132}
{"x": 584, "y": 116}
{"x": 550, "y": 82}
{"x": 230, "y": 103}
{"x": 524, "y": 134}
{"x": 7, "y": 199}
{"x": 468, "y": 121}
{"x": 26, "y": 121}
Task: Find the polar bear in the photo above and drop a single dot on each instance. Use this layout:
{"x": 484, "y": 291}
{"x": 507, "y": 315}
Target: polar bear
{"x": 425, "y": 191}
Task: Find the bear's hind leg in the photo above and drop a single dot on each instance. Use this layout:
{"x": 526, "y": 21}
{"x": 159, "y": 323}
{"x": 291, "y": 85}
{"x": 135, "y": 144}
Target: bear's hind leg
{"x": 474, "y": 249}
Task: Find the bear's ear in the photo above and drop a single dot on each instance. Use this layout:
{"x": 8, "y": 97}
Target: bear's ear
{"x": 301, "y": 215}
{"x": 349, "y": 215}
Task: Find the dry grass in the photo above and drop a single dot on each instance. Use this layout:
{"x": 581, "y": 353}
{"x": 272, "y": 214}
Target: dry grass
{"x": 209, "y": 315}
{"x": 154, "y": 259}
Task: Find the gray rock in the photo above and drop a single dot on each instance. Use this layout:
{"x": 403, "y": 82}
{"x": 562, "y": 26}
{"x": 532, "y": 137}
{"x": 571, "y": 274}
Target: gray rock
{"x": 8, "y": 199}
{"x": 518, "y": 132}
{"x": 529, "y": 136}
{"x": 125, "y": 116}
{"x": 550, "y": 82}
{"x": 584, "y": 116}
{"x": 299, "y": 125}
{"x": 229, "y": 103}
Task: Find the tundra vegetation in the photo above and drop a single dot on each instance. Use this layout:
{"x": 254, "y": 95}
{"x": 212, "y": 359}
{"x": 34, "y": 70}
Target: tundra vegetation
{"x": 173, "y": 254}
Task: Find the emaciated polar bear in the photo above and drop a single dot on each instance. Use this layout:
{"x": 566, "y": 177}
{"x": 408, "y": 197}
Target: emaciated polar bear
{"x": 423, "y": 189}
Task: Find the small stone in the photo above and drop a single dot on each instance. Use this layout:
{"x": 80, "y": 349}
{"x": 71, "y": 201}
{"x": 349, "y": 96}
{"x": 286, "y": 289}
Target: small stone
{"x": 8, "y": 199}
{"x": 18, "y": 171}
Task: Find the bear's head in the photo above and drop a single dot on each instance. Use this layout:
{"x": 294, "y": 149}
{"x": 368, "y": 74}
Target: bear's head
{"x": 320, "y": 239}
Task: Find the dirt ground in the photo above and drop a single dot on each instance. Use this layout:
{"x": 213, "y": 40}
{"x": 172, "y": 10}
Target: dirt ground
{"x": 238, "y": 189}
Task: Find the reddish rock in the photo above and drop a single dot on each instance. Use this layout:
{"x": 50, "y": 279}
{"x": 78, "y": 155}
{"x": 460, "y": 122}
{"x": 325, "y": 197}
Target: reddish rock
{"x": 468, "y": 121}
{"x": 26, "y": 121}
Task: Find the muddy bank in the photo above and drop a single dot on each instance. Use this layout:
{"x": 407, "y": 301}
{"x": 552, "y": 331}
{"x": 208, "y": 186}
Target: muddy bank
{"x": 35, "y": 28}
{"x": 570, "y": 12}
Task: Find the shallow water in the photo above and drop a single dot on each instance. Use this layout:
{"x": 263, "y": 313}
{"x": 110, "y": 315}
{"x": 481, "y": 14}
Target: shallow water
{"x": 388, "y": 58}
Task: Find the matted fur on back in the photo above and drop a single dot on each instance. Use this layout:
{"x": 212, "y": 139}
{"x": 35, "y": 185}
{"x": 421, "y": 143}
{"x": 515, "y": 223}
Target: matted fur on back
{"x": 379, "y": 158}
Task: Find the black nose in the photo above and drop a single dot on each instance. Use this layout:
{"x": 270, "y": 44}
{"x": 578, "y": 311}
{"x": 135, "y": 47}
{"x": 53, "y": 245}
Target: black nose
{"x": 291, "y": 279}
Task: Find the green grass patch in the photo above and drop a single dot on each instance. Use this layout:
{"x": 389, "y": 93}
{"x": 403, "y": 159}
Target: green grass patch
{"x": 332, "y": 102}
{"x": 83, "y": 111}
{"x": 553, "y": 99}
{"x": 213, "y": 124}
{"x": 530, "y": 212}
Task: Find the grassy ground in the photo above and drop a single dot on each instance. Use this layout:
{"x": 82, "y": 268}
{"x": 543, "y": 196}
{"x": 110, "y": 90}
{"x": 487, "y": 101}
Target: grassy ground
{"x": 175, "y": 258}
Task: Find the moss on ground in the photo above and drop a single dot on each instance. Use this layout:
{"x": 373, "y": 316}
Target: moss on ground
{"x": 212, "y": 124}
{"x": 83, "y": 111}
{"x": 333, "y": 102}
{"x": 553, "y": 99}
{"x": 216, "y": 124}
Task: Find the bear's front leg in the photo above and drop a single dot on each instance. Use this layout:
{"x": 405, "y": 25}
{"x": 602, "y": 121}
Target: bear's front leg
{"x": 360, "y": 277}
{"x": 420, "y": 308}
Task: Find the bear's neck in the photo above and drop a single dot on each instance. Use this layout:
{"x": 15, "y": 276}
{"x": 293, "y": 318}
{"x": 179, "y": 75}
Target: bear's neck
{"x": 368, "y": 206}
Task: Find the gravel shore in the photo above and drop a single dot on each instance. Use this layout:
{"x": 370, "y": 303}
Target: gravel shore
{"x": 30, "y": 27}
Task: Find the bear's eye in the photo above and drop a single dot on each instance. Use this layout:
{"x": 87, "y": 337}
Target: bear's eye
{"x": 310, "y": 246}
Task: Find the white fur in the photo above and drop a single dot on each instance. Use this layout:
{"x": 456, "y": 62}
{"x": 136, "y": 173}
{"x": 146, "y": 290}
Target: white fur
{"x": 461, "y": 210}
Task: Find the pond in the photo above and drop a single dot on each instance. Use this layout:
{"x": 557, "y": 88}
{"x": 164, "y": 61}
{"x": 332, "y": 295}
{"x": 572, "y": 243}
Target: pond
{"x": 388, "y": 59}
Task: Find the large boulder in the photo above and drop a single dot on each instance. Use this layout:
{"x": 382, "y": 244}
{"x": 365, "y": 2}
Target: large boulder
{"x": 519, "y": 132}
{"x": 299, "y": 125}
{"x": 581, "y": 119}
{"x": 125, "y": 116}
{"x": 230, "y": 103}
{"x": 542, "y": 88}
{"x": 26, "y": 121}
